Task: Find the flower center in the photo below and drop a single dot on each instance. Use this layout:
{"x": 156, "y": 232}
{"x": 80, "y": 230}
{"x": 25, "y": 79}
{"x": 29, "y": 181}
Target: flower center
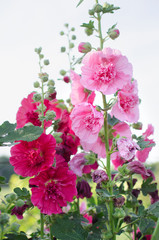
{"x": 127, "y": 102}
{"x": 35, "y": 157}
{"x": 53, "y": 191}
{"x": 33, "y": 118}
{"x": 105, "y": 74}
{"x": 90, "y": 121}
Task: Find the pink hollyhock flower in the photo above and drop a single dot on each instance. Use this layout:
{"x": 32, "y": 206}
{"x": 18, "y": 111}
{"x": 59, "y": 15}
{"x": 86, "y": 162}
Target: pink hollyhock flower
{"x": 27, "y": 113}
{"x": 139, "y": 235}
{"x": 137, "y": 167}
{"x": 30, "y": 158}
{"x": 123, "y": 129}
{"x": 77, "y": 164}
{"x": 142, "y": 155}
{"x": 18, "y": 211}
{"x": 117, "y": 160}
{"x": 86, "y": 122}
{"x": 106, "y": 71}
{"x": 126, "y": 108}
{"x": 127, "y": 148}
{"x": 87, "y": 168}
{"x": 84, "y": 213}
{"x": 52, "y": 189}
{"x": 99, "y": 176}
{"x": 78, "y": 93}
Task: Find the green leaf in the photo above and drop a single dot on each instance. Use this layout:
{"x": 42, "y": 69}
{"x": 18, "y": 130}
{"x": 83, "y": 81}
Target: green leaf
{"x": 2, "y": 180}
{"x": 27, "y": 133}
{"x": 156, "y": 232}
{"x": 80, "y": 3}
{"x": 22, "y": 192}
{"x": 91, "y": 158}
{"x": 146, "y": 225}
{"x": 104, "y": 193}
{"x": 112, "y": 120}
{"x": 110, "y": 8}
{"x": 6, "y": 127}
{"x": 154, "y": 209}
{"x": 16, "y": 236}
{"x": 148, "y": 187}
{"x": 89, "y": 25}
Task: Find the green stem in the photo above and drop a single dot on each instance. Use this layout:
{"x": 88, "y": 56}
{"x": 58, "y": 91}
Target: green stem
{"x": 51, "y": 235}
{"x": 2, "y": 229}
{"x": 42, "y": 225}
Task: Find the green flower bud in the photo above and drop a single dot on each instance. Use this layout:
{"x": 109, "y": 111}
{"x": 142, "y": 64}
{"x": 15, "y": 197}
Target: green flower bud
{"x": 38, "y": 50}
{"x": 91, "y": 12}
{"x": 51, "y": 83}
{"x": 89, "y": 31}
{"x": 66, "y": 25}
{"x": 72, "y": 29}
{"x": 137, "y": 125}
{"x": 73, "y": 37}
{"x": 10, "y": 197}
{"x": 62, "y": 72}
{"x": 71, "y": 45}
{"x": 37, "y": 97}
{"x": 50, "y": 115}
{"x": 4, "y": 218}
{"x": 14, "y": 227}
{"x": 62, "y": 33}
{"x": 44, "y": 78}
{"x": 36, "y": 84}
{"x": 98, "y": 8}
{"x": 63, "y": 49}
{"x": 113, "y": 33}
{"x": 84, "y": 47}
{"x": 108, "y": 235}
{"x": 119, "y": 213}
{"x": 19, "y": 203}
{"x": 41, "y": 56}
{"x": 46, "y": 62}
{"x": 51, "y": 89}
{"x": 57, "y": 137}
{"x": 39, "y": 107}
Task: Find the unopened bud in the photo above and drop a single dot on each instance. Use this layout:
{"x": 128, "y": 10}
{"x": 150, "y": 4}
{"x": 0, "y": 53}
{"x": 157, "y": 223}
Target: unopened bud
{"x": 41, "y": 56}
{"x": 37, "y": 97}
{"x": 38, "y": 50}
{"x": 73, "y": 37}
{"x": 63, "y": 49}
{"x": 14, "y": 227}
{"x": 66, "y": 25}
{"x": 71, "y": 45}
{"x": 89, "y": 31}
{"x": 19, "y": 203}
{"x": 41, "y": 108}
{"x": 36, "y": 84}
{"x": 137, "y": 125}
{"x": 51, "y": 83}
{"x": 51, "y": 89}
{"x": 4, "y": 218}
{"x": 61, "y": 33}
{"x": 46, "y": 62}
{"x": 62, "y": 72}
{"x": 91, "y": 12}
{"x": 50, "y": 115}
{"x": 114, "y": 33}
{"x": 72, "y": 29}
{"x": 98, "y": 8}
{"x": 66, "y": 79}
{"x": 84, "y": 47}
{"x": 119, "y": 213}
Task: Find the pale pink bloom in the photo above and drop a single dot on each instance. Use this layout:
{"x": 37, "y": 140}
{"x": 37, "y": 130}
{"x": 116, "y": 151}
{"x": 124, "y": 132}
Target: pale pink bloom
{"x": 86, "y": 122}
{"x": 117, "y": 160}
{"x": 106, "y": 71}
{"x": 123, "y": 129}
{"x": 142, "y": 155}
{"x": 127, "y": 148}
{"x": 97, "y": 147}
{"x": 78, "y": 93}
{"x": 127, "y": 106}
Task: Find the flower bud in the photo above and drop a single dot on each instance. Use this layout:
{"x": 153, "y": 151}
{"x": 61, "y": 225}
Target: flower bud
{"x": 119, "y": 213}
{"x": 19, "y": 203}
{"x": 91, "y": 12}
{"x": 46, "y": 62}
{"x": 66, "y": 79}
{"x": 83, "y": 189}
{"x": 10, "y": 197}
{"x": 61, "y": 33}
{"x": 63, "y": 49}
{"x": 84, "y": 47}
{"x": 66, "y": 25}
{"x": 38, "y": 50}
{"x": 50, "y": 115}
{"x": 71, "y": 45}
{"x": 45, "y": 78}
{"x": 98, "y": 8}
{"x": 89, "y": 31}
{"x": 37, "y": 97}
{"x": 73, "y": 37}
{"x": 39, "y": 107}
{"x": 4, "y": 218}
{"x": 137, "y": 125}
{"x": 51, "y": 89}
{"x": 62, "y": 72}
{"x": 72, "y": 29}
{"x": 113, "y": 33}
{"x": 14, "y": 227}
{"x": 51, "y": 83}
{"x": 41, "y": 56}
{"x": 36, "y": 84}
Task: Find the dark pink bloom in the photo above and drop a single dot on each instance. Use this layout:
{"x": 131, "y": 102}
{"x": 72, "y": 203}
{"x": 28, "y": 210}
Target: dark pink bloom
{"x": 86, "y": 122}
{"x": 30, "y": 158}
{"x": 77, "y": 163}
{"x": 87, "y": 168}
{"x": 106, "y": 71}
{"x": 137, "y": 167}
{"x": 127, "y": 148}
{"x": 99, "y": 176}
{"x": 66, "y": 79}
{"x": 117, "y": 160}
{"x": 18, "y": 211}
{"x": 142, "y": 155}
{"x": 52, "y": 189}
{"x": 27, "y": 113}
{"x": 78, "y": 93}
{"x": 83, "y": 189}
{"x": 127, "y": 106}
{"x": 84, "y": 213}
{"x": 154, "y": 196}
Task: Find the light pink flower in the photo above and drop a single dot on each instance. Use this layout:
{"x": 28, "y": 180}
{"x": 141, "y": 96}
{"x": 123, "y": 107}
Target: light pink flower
{"x": 77, "y": 163}
{"x": 127, "y": 106}
{"x": 99, "y": 176}
{"x": 52, "y": 189}
{"x": 127, "y": 148}
{"x": 86, "y": 122}
{"x": 78, "y": 93}
{"x": 83, "y": 211}
{"x": 123, "y": 129}
{"x": 142, "y": 155}
{"x": 106, "y": 71}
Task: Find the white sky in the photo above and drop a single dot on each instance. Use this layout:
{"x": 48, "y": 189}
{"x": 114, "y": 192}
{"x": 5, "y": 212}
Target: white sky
{"x": 26, "y": 24}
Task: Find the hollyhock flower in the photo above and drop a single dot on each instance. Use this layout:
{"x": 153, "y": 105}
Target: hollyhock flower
{"x": 117, "y": 160}
{"x": 60, "y": 161}
{"x": 154, "y": 196}
{"x": 127, "y": 148}
{"x": 77, "y": 163}
{"x": 87, "y": 168}
{"x": 83, "y": 212}
{"x": 27, "y": 112}
{"x": 142, "y": 155}
{"x": 30, "y": 158}
{"x": 122, "y": 129}
{"x": 137, "y": 167}
{"x": 139, "y": 235}
{"x": 18, "y": 211}
{"x": 83, "y": 189}
{"x": 86, "y": 122}
{"x": 78, "y": 93}
{"x": 99, "y": 176}
{"x": 52, "y": 189}
{"x": 149, "y": 174}
{"x": 106, "y": 71}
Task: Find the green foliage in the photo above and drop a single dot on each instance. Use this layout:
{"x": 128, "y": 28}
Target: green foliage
{"x": 22, "y": 193}
{"x": 148, "y": 187}
{"x": 89, "y": 25}
{"x": 79, "y": 3}
{"x": 146, "y": 225}
{"x": 17, "y": 236}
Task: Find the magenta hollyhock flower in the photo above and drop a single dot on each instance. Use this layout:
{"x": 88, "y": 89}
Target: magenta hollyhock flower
{"x": 142, "y": 155}
{"x": 78, "y": 93}
{"x": 106, "y": 71}
{"x": 27, "y": 112}
{"x": 127, "y": 148}
{"x": 52, "y": 189}
{"x": 99, "y": 176}
{"x": 86, "y": 122}
{"x": 137, "y": 167}
{"x": 127, "y": 106}
{"x": 117, "y": 160}
{"x": 30, "y": 158}
{"x": 18, "y": 211}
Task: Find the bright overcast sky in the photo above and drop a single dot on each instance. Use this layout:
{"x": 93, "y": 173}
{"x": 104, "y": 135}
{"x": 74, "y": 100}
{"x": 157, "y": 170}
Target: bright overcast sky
{"x": 26, "y": 24}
